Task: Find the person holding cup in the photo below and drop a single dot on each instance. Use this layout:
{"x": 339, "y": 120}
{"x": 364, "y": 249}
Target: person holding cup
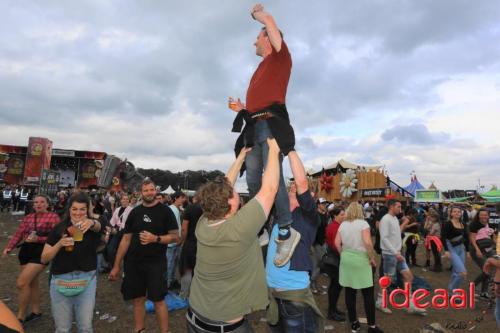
{"x": 71, "y": 246}
{"x": 30, "y": 237}
{"x": 265, "y": 116}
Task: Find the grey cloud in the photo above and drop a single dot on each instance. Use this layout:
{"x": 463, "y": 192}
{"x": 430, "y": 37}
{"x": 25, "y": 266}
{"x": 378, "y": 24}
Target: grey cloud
{"x": 414, "y": 134}
{"x": 193, "y": 55}
{"x": 306, "y": 144}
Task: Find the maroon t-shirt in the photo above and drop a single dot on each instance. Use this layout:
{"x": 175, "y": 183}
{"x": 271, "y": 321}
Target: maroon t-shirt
{"x": 270, "y": 81}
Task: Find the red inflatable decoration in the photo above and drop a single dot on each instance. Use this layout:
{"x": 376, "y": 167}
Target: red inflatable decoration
{"x": 326, "y": 182}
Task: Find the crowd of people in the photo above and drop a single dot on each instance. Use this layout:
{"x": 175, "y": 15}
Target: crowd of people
{"x": 80, "y": 236}
{"x": 230, "y": 258}
{"x": 335, "y": 239}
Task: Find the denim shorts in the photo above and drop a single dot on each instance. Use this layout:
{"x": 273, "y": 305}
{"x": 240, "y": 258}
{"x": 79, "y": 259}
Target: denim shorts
{"x": 392, "y": 266}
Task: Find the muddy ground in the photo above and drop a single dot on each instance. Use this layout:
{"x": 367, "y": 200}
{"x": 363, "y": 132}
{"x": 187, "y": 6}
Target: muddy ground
{"x": 109, "y": 301}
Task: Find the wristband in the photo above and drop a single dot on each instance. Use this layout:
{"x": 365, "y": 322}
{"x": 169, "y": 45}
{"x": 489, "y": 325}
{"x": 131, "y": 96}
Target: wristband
{"x": 158, "y": 239}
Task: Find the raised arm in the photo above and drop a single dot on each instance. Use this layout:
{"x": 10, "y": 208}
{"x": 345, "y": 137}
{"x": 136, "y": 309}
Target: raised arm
{"x": 234, "y": 170}
{"x": 267, "y": 20}
{"x": 298, "y": 171}
{"x": 270, "y": 179}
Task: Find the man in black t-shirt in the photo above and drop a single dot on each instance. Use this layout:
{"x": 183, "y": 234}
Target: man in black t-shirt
{"x": 149, "y": 228}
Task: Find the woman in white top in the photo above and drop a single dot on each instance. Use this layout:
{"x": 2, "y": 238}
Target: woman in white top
{"x": 357, "y": 261}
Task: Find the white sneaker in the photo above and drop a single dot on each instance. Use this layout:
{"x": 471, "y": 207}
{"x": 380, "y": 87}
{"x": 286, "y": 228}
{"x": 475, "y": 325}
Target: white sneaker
{"x": 414, "y": 310}
{"x": 378, "y": 305}
{"x": 285, "y": 248}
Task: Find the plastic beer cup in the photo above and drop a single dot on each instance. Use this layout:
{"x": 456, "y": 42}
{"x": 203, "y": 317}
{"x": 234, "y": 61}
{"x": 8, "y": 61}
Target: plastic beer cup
{"x": 70, "y": 248}
{"x": 77, "y": 234}
{"x": 232, "y": 104}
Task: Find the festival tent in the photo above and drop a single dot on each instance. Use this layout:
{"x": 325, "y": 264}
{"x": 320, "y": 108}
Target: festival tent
{"x": 343, "y": 164}
{"x": 348, "y": 165}
{"x": 493, "y": 193}
{"x": 475, "y": 198}
{"x": 492, "y": 196}
{"x": 414, "y": 186}
{"x": 169, "y": 190}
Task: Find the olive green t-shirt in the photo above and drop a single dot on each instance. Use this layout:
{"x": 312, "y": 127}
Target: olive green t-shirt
{"x": 229, "y": 279}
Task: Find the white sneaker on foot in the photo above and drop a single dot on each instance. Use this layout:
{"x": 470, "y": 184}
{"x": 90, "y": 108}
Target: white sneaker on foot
{"x": 285, "y": 248}
{"x": 378, "y": 305}
{"x": 414, "y": 310}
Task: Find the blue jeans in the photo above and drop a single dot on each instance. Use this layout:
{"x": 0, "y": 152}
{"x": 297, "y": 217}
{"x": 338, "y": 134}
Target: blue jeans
{"x": 101, "y": 263}
{"x": 294, "y": 318}
{"x": 256, "y": 161}
{"x": 172, "y": 259}
{"x": 457, "y": 258}
{"x": 82, "y": 304}
{"x": 392, "y": 266}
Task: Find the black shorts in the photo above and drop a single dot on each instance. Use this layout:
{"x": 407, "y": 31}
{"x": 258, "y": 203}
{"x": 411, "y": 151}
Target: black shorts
{"x": 188, "y": 257}
{"x": 145, "y": 279}
{"x": 30, "y": 253}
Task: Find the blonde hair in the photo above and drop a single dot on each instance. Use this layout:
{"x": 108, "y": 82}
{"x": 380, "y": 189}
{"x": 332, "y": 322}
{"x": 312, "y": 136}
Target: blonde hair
{"x": 354, "y": 212}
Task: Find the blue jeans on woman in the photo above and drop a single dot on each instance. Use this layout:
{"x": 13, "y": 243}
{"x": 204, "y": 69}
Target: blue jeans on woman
{"x": 294, "y": 318}
{"x": 457, "y": 258}
{"x": 82, "y": 304}
{"x": 255, "y": 162}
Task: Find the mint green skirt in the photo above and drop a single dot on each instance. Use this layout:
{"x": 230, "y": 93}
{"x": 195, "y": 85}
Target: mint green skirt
{"x": 355, "y": 270}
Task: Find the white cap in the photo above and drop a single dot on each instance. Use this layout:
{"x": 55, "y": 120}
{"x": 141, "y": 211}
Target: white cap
{"x": 322, "y": 200}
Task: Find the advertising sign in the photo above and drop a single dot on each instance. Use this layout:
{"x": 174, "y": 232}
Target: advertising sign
{"x": 63, "y": 152}
{"x": 374, "y": 192}
{"x": 428, "y": 196}
{"x": 13, "y": 169}
{"x": 49, "y": 182}
{"x": 87, "y": 176}
{"x": 37, "y": 159}
{"x": 3, "y": 164}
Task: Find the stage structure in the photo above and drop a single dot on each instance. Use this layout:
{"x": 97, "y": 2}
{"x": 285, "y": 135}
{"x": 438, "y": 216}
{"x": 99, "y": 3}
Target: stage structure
{"x": 24, "y": 165}
{"x": 347, "y": 182}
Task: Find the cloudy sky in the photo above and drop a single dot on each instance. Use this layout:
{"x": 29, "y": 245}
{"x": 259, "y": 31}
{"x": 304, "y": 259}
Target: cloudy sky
{"x": 412, "y": 85}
